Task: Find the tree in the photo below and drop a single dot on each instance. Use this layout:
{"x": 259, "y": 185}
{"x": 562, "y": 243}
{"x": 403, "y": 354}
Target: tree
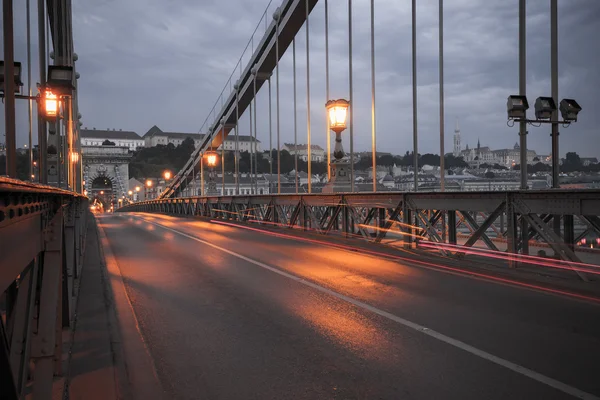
{"x": 536, "y": 159}
{"x": 490, "y": 175}
{"x": 429, "y": 159}
{"x": 572, "y": 163}
{"x": 454, "y": 162}
{"x": 540, "y": 167}
{"x": 108, "y": 143}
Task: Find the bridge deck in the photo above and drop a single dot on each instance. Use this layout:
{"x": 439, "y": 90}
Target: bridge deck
{"x": 232, "y": 313}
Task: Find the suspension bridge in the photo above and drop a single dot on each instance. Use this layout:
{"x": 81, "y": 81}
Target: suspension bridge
{"x": 323, "y": 292}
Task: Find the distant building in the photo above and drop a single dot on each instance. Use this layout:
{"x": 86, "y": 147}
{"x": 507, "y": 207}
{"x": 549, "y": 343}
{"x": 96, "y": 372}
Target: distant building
{"x": 505, "y": 157}
{"x": 585, "y": 161}
{"x": 95, "y": 137}
{"x": 457, "y": 148}
{"x": 317, "y": 153}
{"x": 155, "y": 136}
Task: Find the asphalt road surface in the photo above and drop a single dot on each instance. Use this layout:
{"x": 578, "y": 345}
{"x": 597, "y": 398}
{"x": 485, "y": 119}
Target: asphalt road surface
{"x": 231, "y": 313}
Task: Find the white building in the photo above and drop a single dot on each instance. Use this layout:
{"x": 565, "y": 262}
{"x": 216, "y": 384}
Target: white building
{"x": 317, "y": 153}
{"x": 155, "y": 136}
{"x": 505, "y": 157}
{"x": 457, "y": 148}
{"x": 95, "y": 137}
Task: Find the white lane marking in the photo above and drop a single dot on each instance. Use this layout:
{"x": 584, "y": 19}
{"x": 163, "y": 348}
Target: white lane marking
{"x": 563, "y": 387}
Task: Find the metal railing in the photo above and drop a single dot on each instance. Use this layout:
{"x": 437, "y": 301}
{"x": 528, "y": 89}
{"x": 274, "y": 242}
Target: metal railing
{"x": 448, "y": 222}
{"x": 42, "y": 232}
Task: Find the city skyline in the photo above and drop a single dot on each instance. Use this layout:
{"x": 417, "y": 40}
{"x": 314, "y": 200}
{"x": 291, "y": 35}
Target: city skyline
{"x": 182, "y": 59}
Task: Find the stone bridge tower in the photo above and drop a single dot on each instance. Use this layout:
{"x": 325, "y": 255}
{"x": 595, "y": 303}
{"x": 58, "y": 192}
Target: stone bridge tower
{"x": 106, "y": 171}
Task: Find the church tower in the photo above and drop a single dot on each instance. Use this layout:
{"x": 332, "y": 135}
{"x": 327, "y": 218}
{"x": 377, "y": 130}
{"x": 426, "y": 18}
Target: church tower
{"x": 457, "y": 147}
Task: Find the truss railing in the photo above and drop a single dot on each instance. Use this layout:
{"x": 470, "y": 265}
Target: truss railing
{"x": 448, "y": 222}
{"x": 42, "y": 231}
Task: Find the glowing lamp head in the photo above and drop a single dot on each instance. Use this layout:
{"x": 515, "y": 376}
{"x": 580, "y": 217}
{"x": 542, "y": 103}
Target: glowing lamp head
{"x": 137, "y": 189}
{"x": 337, "y": 111}
{"x": 167, "y": 175}
{"x": 51, "y": 105}
{"x": 130, "y": 192}
{"x": 149, "y": 183}
{"x": 211, "y": 158}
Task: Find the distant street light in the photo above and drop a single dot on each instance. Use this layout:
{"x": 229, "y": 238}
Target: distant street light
{"x": 167, "y": 175}
{"x": 211, "y": 159}
{"x": 149, "y": 183}
{"x": 337, "y": 111}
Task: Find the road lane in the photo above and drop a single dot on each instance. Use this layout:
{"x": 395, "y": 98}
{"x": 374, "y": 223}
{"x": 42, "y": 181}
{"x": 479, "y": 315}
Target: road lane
{"x": 211, "y": 318}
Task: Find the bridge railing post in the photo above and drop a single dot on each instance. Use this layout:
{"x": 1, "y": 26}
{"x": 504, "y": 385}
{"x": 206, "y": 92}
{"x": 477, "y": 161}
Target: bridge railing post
{"x": 407, "y": 223}
{"x": 452, "y": 227}
{"x": 511, "y": 229}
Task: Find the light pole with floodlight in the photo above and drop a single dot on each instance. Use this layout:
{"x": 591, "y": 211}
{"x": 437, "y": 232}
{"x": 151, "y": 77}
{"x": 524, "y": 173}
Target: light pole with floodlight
{"x": 545, "y": 108}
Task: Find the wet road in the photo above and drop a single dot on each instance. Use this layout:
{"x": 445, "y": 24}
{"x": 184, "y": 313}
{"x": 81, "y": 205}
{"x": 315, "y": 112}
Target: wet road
{"x": 229, "y": 313}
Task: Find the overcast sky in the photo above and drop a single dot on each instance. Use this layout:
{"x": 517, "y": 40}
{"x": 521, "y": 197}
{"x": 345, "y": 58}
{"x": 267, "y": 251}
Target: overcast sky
{"x": 164, "y": 63}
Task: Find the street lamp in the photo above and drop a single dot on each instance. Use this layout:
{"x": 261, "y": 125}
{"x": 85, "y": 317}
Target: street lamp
{"x": 211, "y": 160}
{"x": 167, "y": 175}
{"x": 147, "y": 187}
{"x": 337, "y": 111}
{"x": 51, "y": 105}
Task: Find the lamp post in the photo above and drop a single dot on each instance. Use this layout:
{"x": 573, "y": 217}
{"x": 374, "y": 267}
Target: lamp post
{"x": 130, "y": 193}
{"x": 211, "y": 161}
{"x": 137, "y": 191}
{"x": 167, "y": 176}
{"x": 147, "y": 187}
{"x": 337, "y": 111}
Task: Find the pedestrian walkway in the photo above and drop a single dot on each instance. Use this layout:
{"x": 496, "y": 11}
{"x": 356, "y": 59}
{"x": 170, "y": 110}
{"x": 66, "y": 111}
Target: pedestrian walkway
{"x": 92, "y": 372}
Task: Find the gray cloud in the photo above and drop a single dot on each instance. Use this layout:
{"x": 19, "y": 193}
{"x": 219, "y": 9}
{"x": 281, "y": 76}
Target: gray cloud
{"x": 146, "y": 62}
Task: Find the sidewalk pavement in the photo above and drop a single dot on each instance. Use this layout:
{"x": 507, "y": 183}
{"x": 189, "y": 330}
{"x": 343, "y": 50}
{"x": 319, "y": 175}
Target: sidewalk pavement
{"x": 92, "y": 371}
{"x": 108, "y": 358}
